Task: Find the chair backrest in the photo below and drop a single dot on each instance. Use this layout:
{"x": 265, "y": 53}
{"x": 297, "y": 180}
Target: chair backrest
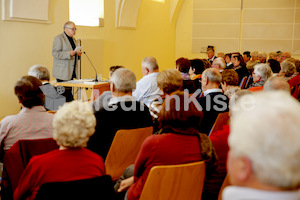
{"x": 247, "y": 82}
{"x": 30, "y": 148}
{"x": 226, "y": 183}
{"x": 17, "y": 157}
{"x": 176, "y": 182}
{"x": 124, "y": 150}
{"x": 52, "y": 111}
{"x": 243, "y": 82}
{"x": 222, "y": 119}
{"x": 295, "y": 91}
{"x": 93, "y": 188}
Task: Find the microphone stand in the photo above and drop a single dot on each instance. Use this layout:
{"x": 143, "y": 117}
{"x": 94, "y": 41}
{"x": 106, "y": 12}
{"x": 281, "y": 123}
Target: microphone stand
{"x": 96, "y": 80}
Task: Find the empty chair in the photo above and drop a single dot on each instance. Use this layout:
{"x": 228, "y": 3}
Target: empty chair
{"x": 93, "y": 188}
{"x": 124, "y": 149}
{"x": 176, "y": 182}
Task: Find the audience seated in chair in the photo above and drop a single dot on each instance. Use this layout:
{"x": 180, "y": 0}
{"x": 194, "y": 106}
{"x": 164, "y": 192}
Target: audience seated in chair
{"x": 196, "y": 69}
{"x": 263, "y": 160}
{"x": 122, "y": 112}
{"x": 52, "y": 98}
{"x": 214, "y": 101}
{"x": 183, "y": 66}
{"x": 168, "y": 81}
{"x": 262, "y": 57}
{"x": 228, "y": 62}
{"x": 179, "y": 143}
{"x": 230, "y": 80}
{"x": 73, "y": 124}
{"x": 239, "y": 65}
{"x": 219, "y": 64}
{"x": 288, "y": 70}
{"x": 105, "y": 97}
{"x": 275, "y": 65}
{"x": 210, "y": 51}
{"x": 284, "y": 56}
{"x": 277, "y": 83}
{"x": 33, "y": 121}
{"x": 260, "y": 75}
{"x": 146, "y": 88}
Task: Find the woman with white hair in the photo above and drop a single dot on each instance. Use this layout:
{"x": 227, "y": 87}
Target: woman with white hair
{"x": 260, "y": 75}
{"x": 288, "y": 70}
{"x": 73, "y": 125}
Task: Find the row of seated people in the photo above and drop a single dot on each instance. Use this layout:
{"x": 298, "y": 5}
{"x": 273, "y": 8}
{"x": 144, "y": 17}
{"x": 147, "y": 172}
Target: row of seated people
{"x": 31, "y": 97}
{"x": 123, "y": 84}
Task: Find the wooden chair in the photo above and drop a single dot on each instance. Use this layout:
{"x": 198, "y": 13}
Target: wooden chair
{"x": 52, "y": 111}
{"x": 124, "y": 150}
{"x": 222, "y": 119}
{"x": 247, "y": 82}
{"x": 243, "y": 82}
{"x": 226, "y": 183}
{"x": 176, "y": 182}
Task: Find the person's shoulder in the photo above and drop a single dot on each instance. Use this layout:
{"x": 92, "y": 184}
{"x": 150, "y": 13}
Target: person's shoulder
{"x": 60, "y": 35}
{"x": 44, "y": 157}
{"x": 91, "y": 154}
{"x": 8, "y": 119}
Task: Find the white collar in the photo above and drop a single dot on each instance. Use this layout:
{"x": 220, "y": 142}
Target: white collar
{"x": 45, "y": 82}
{"x": 244, "y": 193}
{"x": 212, "y": 59}
{"x": 206, "y": 92}
{"x": 116, "y": 100}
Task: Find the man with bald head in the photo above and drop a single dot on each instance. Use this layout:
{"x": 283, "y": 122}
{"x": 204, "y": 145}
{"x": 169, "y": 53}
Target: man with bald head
{"x": 284, "y": 56}
{"x": 214, "y": 101}
{"x": 146, "y": 88}
{"x": 277, "y": 83}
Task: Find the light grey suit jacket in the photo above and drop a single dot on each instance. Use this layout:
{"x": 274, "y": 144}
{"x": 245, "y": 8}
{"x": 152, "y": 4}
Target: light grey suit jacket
{"x": 63, "y": 62}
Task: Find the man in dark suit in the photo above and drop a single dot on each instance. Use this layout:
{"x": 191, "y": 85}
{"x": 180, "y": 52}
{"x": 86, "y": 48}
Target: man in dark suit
{"x": 122, "y": 112}
{"x": 211, "y": 54}
{"x": 214, "y": 101}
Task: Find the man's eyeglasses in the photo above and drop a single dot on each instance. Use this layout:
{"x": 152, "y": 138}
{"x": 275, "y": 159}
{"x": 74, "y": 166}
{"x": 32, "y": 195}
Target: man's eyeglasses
{"x": 73, "y": 29}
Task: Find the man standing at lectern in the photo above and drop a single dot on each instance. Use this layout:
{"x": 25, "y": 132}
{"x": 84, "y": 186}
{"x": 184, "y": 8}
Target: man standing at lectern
{"x": 65, "y": 57}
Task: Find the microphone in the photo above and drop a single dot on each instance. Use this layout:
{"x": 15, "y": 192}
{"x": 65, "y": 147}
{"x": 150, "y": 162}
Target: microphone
{"x": 96, "y": 80}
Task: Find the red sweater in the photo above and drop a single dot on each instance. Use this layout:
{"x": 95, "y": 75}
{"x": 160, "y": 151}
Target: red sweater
{"x": 165, "y": 149}
{"x": 59, "y": 165}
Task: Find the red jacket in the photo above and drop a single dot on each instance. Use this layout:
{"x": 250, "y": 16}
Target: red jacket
{"x": 165, "y": 149}
{"x": 59, "y": 165}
